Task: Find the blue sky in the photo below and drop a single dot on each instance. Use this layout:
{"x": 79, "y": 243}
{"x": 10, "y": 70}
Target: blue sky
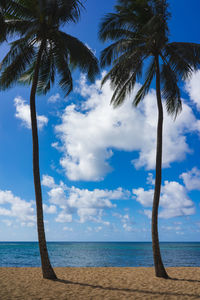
{"x": 97, "y": 163}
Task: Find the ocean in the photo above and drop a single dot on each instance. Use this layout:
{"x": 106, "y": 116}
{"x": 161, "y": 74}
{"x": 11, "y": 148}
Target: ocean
{"x": 99, "y": 254}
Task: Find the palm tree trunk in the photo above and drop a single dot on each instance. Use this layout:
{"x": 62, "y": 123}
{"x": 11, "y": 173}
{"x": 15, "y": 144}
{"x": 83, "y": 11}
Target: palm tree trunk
{"x": 47, "y": 269}
{"x": 159, "y": 267}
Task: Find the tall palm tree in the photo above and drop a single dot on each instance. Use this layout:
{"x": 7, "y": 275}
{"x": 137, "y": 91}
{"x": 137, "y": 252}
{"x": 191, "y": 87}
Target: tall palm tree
{"x": 140, "y": 33}
{"x": 41, "y": 51}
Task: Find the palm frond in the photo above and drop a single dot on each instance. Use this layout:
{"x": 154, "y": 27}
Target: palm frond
{"x": 47, "y": 71}
{"x": 80, "y": 55}
{"x": 115, "y": 50}
{"x": 19, "y": 27}
{"x": 21, "y": 10}
{"x": 15, "y": 63}
{"x": 62, "y": 65}
{"x": 62, "y": 11}
{"x": 17, "y": 48}
{"x": 185, "y": 56}
{"x": 143, "y": 91}
{"x": 170, "y": 90}
{"x": 179, "y": 60}
{"x": 125, "y": 65}
{"x": 122, "y": 91}
{"x": 113, "y": 22}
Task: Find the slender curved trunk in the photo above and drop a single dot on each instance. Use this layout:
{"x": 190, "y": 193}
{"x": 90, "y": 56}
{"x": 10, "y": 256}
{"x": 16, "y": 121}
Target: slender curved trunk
{"x": 159, "y": 267}
{"x": 47, "y": 269}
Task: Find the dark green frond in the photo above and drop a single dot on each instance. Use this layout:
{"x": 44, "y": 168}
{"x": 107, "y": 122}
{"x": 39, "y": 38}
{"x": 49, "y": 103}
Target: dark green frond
{"x": 125, "y": 65}
{"x": 116, "y": 34}
{"x": 20, "y": 27}
{"x": 178, "y": 60}
{"x": 80, "y": 56}
{"x": 15, "y": 63}
{"x": 112, "y": 23}
{"x": 27, "y": 76}
{"x": 184, "y": 57}
{"x": 170, "y": 90}
{"x": 16, "y": 49}
{"x": 47, "y": 72}
{"x": 115, "y": 50}
{"x": 131, "y": 15}
{"x": 22, "y": 10}
{"x": 121, "y": 92}
{"x": 62, "y": 66}
{"x": 143, "y": 91}
{"x": 62, "y": 11}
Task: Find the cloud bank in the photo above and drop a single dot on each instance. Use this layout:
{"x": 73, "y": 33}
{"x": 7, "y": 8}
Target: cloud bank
{"x": 90, "y": 134}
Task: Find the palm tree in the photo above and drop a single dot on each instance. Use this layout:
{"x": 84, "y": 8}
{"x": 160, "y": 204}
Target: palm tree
{"x": 41, "y": 51}
{"x": 140, "y": 33}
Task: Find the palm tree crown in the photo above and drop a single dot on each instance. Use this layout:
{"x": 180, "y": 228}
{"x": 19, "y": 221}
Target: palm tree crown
{"x": 140, "y": 32}
{"x": 39, "y": 22}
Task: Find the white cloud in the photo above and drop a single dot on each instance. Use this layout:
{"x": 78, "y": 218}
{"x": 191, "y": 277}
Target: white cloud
{"x": 29, "y": 224}
{"x": 88, "y": 205}
{"x": 127, "y": 224}
{"x": 49, "y": 209}
{"x": 174, "y": 200}
{"x": 54, "y": 98}
{"x": 127, "y": 227}
{"x": 16, "y": 207}
{"x": 144, "y": 197}
{"x": 90, "y": 134}
{"x": 23, "y": 113}
{"x": 48, "y": 181}
{"x": 191, "y": 179}
{"x": 150, "y": 179}
{"x": 192, "y": 86}
{"x": 64, "y": 218}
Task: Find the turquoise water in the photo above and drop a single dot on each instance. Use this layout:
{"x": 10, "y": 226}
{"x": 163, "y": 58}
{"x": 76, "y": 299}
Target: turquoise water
{"x": 114, "y": 254}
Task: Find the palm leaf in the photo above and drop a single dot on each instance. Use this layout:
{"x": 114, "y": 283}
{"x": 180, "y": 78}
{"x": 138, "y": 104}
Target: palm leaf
{"x": 143, "y": 91}
{"x": 170, "y": 90}
{"x": 80, "y": 55}
{"x": 15, "y": 63}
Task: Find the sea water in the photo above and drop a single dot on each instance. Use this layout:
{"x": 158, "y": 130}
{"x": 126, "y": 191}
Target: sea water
{"x": 99, "y": 254}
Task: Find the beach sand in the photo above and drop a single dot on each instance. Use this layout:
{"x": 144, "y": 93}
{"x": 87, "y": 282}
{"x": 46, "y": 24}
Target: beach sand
{"x": 99, "y": 283}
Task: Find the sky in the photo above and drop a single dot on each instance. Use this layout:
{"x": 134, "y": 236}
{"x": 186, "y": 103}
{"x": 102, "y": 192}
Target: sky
{"x": 97, "y": 163}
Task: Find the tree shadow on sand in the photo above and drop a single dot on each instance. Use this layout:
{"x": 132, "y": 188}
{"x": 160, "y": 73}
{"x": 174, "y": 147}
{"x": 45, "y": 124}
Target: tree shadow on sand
{"x": 131, "y": 290}
{"x": 186, "y": 280}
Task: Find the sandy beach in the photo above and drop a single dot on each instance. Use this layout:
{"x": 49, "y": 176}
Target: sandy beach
{"x": 99, "y": 283}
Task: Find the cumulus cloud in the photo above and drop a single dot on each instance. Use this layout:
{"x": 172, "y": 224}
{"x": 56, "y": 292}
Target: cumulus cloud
{"x": 191, "y": 179}
{"x": 23, "y": 113}
{"x": 88, "y": 205}
{"x": 54, "y": 98}
{"x": 63, "y": 217}
{"x": 89, "y": 134}
{"x": 48, "y": 181}
{"x": 49, "y": 209}
{"x": 174, "y": 200}
{"x": 16, "y": 207}
{"x": 192, "y": 86}
{"x": 127, "y": 223}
